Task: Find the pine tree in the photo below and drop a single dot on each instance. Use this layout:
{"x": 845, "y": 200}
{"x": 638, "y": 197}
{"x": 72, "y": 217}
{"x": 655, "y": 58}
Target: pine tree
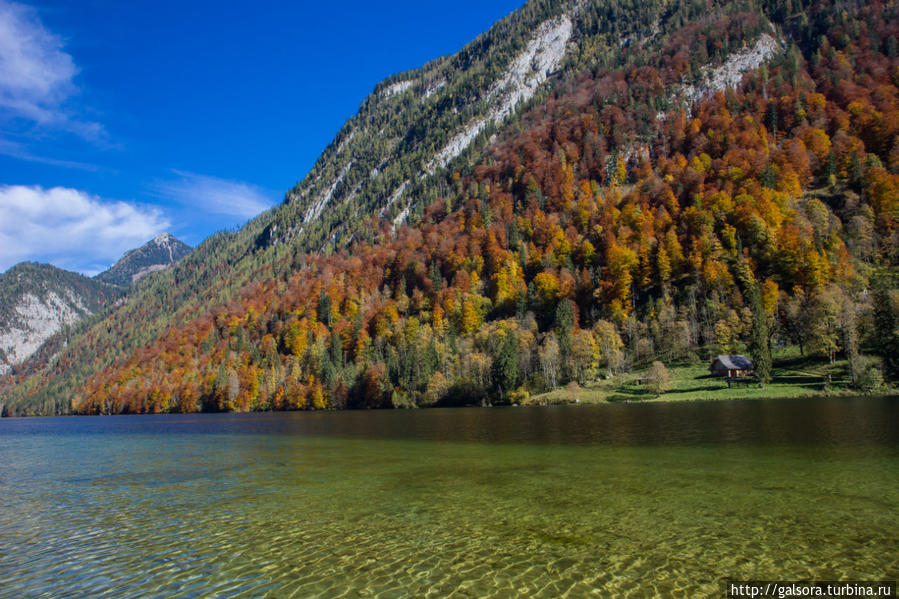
{"x": 886, "y": 325}
{"x": 759, "y": 349}
{"x": 505, "y": 364}
{"x": 564, "y": 327}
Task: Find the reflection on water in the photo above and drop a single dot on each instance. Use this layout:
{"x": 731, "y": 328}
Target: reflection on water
{"x": 612, "y": 500}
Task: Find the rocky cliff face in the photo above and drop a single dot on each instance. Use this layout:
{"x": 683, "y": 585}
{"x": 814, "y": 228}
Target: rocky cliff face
{"x": 157, "y": 254}
{"x": 37, "y": 301}
{"x": 388, "y": 158}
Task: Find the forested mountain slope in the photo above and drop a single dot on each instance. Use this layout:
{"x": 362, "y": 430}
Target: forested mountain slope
{"x": 702, "y": 177}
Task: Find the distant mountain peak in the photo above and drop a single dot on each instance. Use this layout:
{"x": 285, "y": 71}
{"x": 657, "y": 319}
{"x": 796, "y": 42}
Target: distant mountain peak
{"x": 164, "y": 238}
{"x": 157, "y": 254}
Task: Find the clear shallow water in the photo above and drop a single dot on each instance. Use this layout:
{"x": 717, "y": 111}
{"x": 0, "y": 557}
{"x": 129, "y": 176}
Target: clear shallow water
{"x": 610, "y": 501}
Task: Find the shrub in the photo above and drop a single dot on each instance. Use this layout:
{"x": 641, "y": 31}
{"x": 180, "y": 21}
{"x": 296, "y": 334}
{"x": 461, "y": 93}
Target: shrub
{"x": 658, "y": 378}
{"x": 871, "y": 378}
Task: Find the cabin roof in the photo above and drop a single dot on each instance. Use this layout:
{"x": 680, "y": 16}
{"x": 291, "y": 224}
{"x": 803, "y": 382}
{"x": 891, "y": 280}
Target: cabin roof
{"x": 734, "y": 362}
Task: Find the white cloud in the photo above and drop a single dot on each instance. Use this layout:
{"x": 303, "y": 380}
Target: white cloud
{"x": 20, "y": 151}
{"x": 215, "y": 196}
{"x": 69, "y": 228}
{"x": 36, "y": 75}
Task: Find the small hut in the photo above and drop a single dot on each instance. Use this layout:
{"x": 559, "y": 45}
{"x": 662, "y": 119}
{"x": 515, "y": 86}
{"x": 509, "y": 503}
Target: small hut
{"x": 731, "y": 366}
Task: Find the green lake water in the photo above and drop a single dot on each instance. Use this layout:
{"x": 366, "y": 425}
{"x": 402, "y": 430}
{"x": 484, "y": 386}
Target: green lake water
{"x": 637, "y": 500}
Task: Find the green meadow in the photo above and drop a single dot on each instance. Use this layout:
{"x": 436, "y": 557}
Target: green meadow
{"x": 793, "y": 375}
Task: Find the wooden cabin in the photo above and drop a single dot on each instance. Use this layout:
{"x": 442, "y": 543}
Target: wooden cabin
{"x": 731, "y": 366}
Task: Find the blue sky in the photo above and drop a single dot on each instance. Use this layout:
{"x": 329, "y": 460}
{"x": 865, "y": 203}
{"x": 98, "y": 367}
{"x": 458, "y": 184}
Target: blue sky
{"x": 120, "y": 120}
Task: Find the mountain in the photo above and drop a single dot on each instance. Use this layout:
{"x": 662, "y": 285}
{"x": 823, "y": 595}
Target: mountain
{"x": 157, "y": 254}
{"x": 585, "y": 188}
{"x": 37, "y": 301}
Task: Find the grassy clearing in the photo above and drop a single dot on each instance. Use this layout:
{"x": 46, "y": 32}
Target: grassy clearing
{"x": 792, "y": 376}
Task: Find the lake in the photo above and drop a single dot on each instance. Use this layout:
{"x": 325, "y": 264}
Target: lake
{"x": 610, "y": 500}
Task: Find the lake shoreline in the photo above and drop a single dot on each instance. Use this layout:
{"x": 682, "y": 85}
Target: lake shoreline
{"x": 555, "y": 398}
{"x": 793, "y": 376}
